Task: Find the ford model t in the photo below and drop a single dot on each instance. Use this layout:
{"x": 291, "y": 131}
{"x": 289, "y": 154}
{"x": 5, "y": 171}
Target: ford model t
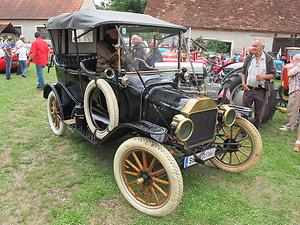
{"x": 105, "y": 98}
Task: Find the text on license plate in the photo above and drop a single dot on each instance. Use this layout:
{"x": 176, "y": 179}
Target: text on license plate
{"x": 207, "y": 154}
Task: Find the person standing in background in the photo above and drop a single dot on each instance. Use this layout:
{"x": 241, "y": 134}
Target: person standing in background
{"x": 293, "y": 106}
{"x": 22, "y": 53}
{"x": 1, "y": 42}
{"x": 20, "y": 43}
{"x": 8, "y": 56}
{"x": 258, "y": 70}
{"x": 39, "y": 55}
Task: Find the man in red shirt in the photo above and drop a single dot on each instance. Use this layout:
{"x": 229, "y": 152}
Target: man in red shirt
{"x": 39, "y": 55}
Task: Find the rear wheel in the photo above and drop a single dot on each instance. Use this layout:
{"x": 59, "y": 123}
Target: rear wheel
{"x": 148, "y": 176}
{"x": 54, "y": 115}
{"x": 243, "y": 145}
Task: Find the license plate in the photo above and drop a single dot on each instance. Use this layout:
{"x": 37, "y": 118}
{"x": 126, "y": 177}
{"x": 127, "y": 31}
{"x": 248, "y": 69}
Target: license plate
{"x": 207, "y": 154}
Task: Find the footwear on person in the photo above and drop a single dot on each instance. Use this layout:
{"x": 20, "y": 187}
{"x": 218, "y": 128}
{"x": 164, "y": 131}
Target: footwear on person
{"x": 286, "y": 128}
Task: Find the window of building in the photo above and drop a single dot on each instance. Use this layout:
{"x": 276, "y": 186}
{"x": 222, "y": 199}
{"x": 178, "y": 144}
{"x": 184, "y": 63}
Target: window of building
{"x": 18, "y": 28}
{"x": 44, "y": 32}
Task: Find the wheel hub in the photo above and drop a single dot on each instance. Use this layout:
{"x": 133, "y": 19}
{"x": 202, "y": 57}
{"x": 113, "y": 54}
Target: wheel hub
{"x": 230, "y": 145}
{"x": 144, "y": 178}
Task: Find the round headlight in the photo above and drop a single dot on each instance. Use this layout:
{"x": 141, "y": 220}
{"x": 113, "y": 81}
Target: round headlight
{"x": 229, "y": 115}
{"x": 184, "y": 127}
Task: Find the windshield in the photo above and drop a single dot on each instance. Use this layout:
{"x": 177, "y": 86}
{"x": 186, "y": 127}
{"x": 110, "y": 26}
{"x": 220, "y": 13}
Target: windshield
{"x": 143, "y": 47}
{"x": 292, "y": 52}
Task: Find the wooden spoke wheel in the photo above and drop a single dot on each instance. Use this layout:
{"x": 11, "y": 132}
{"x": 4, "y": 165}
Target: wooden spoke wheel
{"x": 148, "y": 176}
{"x": 54, "y": 115}
{"x": 242, "y": 145}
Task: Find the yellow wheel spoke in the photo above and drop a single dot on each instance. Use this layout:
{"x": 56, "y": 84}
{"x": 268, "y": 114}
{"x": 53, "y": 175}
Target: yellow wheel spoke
{"x": 144, "y": 156}
{"x": 131, "y": 173}
{"x": 139, "y": 190}
{"x": 152, "y": 163}
{"x": 160, "y": 190}
{"x": 137, "y": 161}
{"x": 132, "y": 165}
{"x": 161, "y": 181}
{"x": 246, "y": 146}
{"x": 158, "y": 172}
{"x": 237, "y": 133}
{"x": 154, "y": 194}
{"x": 147, "y": 196}
{"x": 237, "y": 157}
{"x": 244, "y": 138}
{"x": 223, "y": 156}
{"x": 230, "y": 157}
{"x": 243, "y": 153}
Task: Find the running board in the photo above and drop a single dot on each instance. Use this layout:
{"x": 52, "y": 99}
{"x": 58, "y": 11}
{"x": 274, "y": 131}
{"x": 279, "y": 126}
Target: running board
{"x": 83, "y": 131}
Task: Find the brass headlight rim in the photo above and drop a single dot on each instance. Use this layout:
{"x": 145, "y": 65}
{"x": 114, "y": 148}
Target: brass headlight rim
{"x": 179, "y": 126}
{"x": 226, "y": 112}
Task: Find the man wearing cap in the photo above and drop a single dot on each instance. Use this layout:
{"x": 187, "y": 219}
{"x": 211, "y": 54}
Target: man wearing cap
{"x": 39, "y": 54}
{"x": 8, "y": 56}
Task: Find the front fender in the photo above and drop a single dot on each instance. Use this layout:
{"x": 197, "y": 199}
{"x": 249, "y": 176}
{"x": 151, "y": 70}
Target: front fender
{"x": 143, "y": 127}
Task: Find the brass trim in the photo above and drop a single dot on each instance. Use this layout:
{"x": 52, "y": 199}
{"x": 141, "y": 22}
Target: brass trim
{"x": 227, "y": 109}
{"x": 178, "y": 121}
{"x": 195, "y": 105}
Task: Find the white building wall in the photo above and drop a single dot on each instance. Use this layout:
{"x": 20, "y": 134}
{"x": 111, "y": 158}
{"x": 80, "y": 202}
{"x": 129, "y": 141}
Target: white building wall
{"x": 29, "y": 27}
{"x": 238, "y": 39}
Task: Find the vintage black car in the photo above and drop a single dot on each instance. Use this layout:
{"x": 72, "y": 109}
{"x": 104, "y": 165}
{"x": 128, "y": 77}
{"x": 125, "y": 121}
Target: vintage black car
{"x": 167, "y": 129}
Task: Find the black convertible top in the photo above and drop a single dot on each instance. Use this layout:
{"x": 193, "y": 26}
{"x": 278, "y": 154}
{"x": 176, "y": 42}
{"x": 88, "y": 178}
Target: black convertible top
{"x": 89, "y": 19}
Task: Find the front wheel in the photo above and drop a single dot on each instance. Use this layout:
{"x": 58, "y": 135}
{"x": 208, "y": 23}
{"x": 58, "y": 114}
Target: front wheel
{"x": 242, "y": 144}
{"x": 148, "y": 176}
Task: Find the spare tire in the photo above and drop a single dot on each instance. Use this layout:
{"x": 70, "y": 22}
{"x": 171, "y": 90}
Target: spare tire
{"x": 110, "y": 106}
{"x": 233, "y": 83}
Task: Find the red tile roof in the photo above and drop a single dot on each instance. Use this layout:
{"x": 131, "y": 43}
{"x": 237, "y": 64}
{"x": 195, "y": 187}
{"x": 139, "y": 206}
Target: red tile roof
{"x": 36, "y": 9}
{"x": 275, "y": 16}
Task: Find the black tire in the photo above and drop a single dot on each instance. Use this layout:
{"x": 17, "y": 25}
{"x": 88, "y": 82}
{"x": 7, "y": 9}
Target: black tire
{"x": 234, "y": 84}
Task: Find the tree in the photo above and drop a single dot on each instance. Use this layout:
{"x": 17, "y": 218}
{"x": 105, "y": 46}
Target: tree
{"x": 214, "y": 45}
{"x": 136, "y": 6}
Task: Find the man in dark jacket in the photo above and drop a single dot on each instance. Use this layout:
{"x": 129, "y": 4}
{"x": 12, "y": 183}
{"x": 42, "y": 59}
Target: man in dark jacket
{"x": 258, "y": 70}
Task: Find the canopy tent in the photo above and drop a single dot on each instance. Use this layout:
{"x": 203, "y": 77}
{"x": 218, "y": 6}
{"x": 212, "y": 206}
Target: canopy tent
{"x": 8, "y": 28}
{"x": 89, "y": 19}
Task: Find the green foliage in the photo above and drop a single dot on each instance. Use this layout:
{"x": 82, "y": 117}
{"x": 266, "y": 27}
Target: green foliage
{"x": 214, "y": 45}
{"x": 136, "y": 6}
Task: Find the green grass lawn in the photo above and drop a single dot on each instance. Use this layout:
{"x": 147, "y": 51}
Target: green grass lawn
{"x": 47, "y": 179}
